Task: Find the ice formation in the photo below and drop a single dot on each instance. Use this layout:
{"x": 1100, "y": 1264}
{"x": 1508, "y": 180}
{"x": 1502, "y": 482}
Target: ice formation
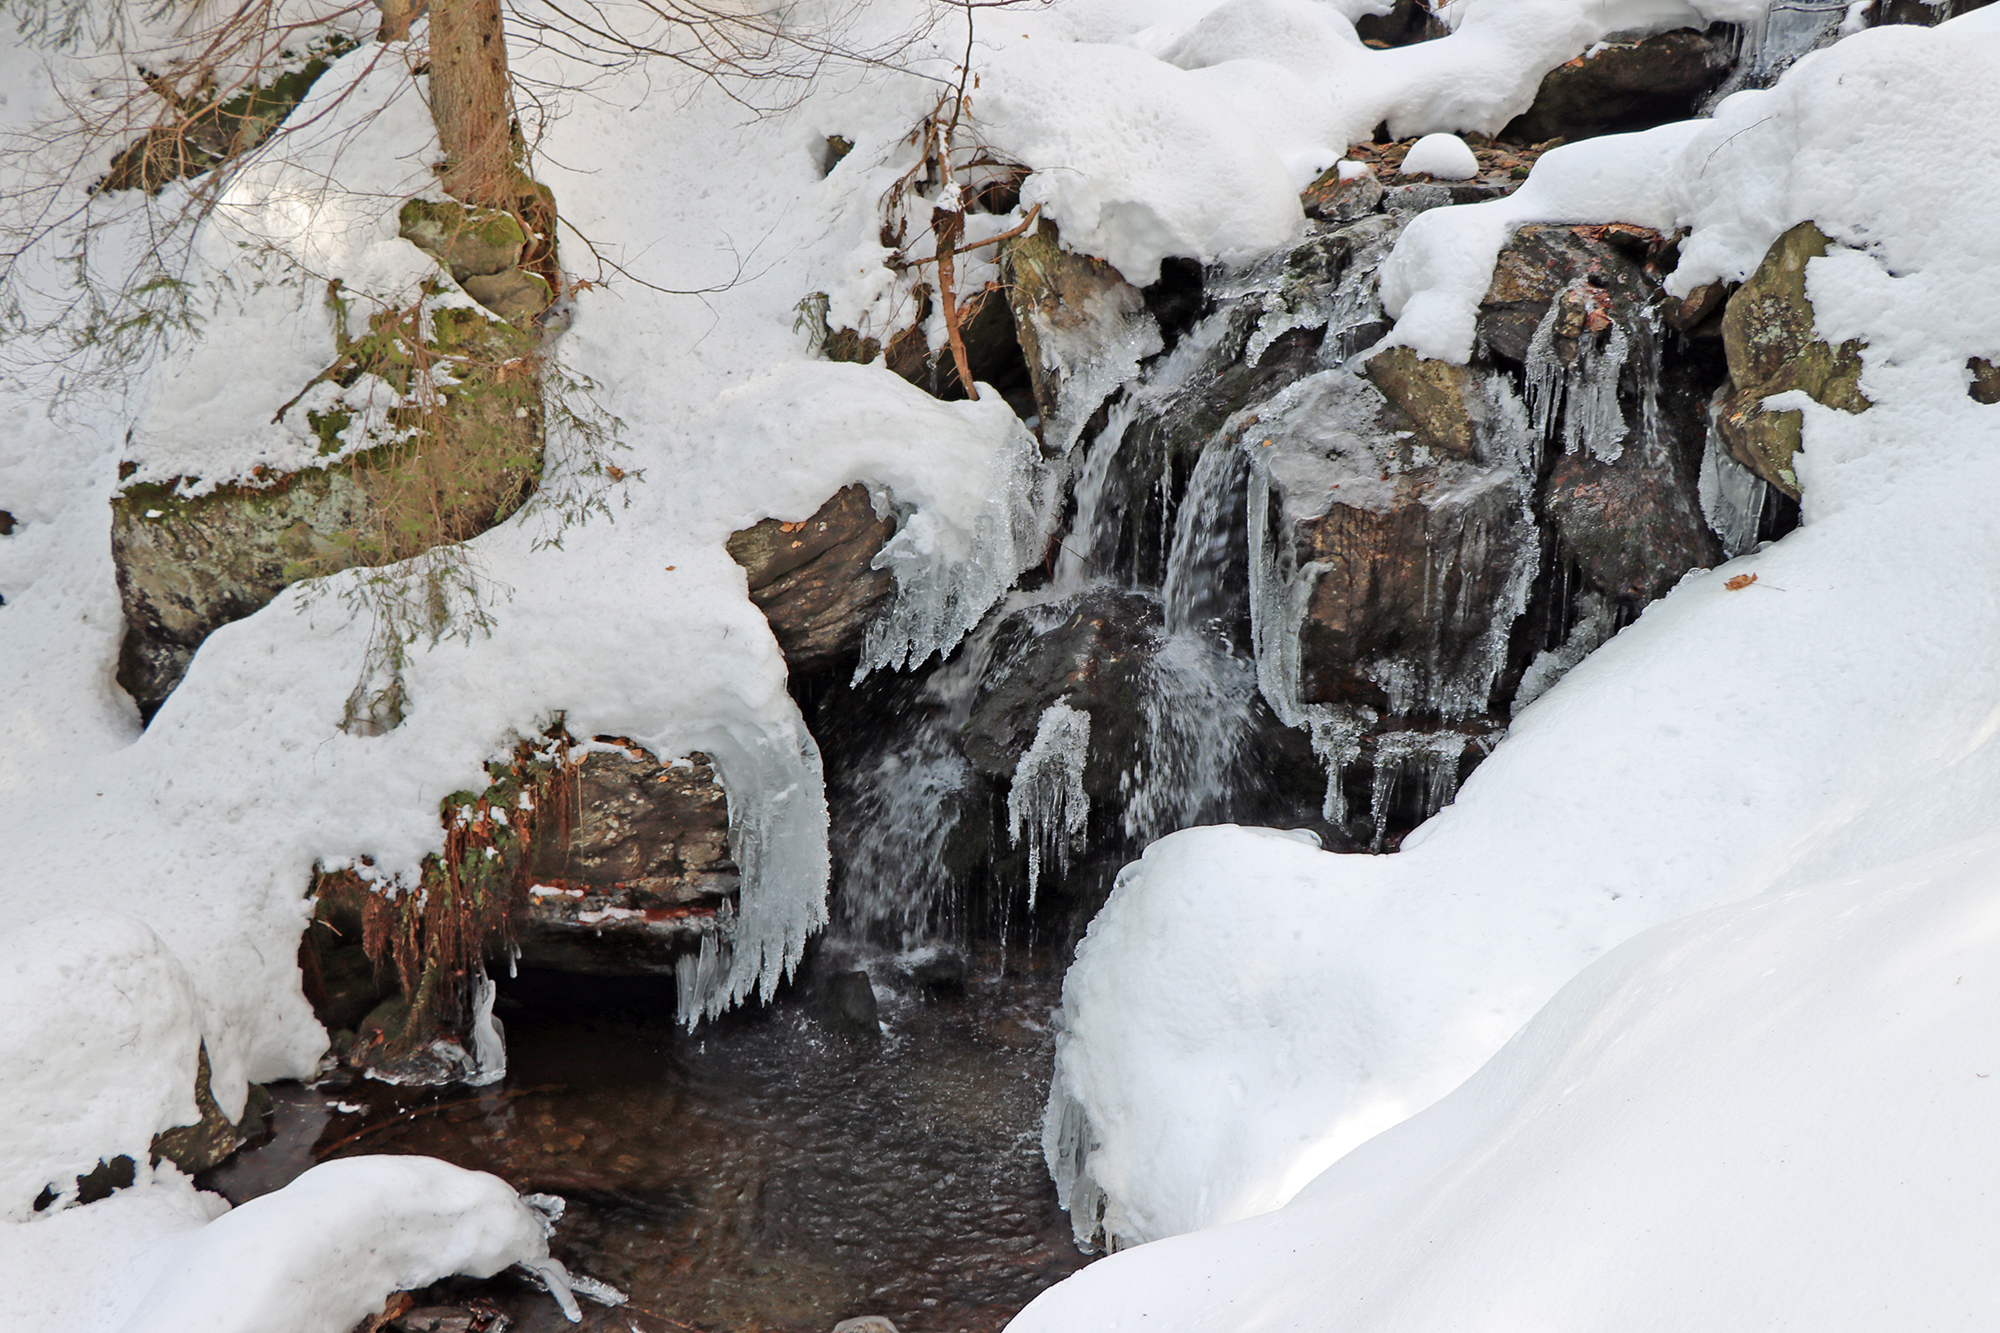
{"x": 1047, "y": 807}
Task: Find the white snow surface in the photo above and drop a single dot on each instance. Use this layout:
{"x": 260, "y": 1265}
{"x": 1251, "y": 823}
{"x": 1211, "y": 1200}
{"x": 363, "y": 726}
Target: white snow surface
{"x": 1444, "y": 156}
{"x": 1246, "y": 1011}
{"x": 1770, "y": 1114}
{"x": 326, "y": 1250}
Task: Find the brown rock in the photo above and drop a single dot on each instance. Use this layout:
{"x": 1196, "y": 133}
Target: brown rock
{"x": 640, "y": 876}
{"x": 1054, "y": 293}
{"x": 1632, "y": 525}
{"x": 815, "y": 581}
{"x": 1439, "y": 398}
{"x": 1591, "y": 266}
{"x": 1985, "y": 386}
{"x": 1410, "y": 590}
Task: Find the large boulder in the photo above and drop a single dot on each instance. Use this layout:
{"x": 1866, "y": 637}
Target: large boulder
{"x": 816, "y": 580}
{"x": 1628, "y": 82}
{"x": 191, "y": 559}
{"x": 1768, "y": 334}
{"x": 638, "y": 876}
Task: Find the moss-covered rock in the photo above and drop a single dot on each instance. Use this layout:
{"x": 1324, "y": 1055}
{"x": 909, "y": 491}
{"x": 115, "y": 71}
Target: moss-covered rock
{"x": 1768, "y": 335}
{"x": 1441, "y": 400}
{"x": 464, "y": 451}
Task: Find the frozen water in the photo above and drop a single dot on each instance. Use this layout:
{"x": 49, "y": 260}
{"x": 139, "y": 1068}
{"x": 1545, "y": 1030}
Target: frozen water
{"x": 1576, "y": 401}
{"x": 1046, "y": 805}
{"x": 1732, "y": 497}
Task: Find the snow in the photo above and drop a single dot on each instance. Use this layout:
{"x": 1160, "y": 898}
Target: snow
{"x": 1775, "y": 1113}
{"x": 1444, "y": 156}
{"x": 326, "y": 1250}
{"x": 1245, "y": 1012}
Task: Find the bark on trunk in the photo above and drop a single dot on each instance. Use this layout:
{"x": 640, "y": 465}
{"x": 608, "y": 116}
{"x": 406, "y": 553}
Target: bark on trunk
{"x": 472, "y": 102}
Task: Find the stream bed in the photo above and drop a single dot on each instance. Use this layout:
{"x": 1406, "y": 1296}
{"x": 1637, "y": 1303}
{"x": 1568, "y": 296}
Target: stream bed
{"x": 767, "y": 1172}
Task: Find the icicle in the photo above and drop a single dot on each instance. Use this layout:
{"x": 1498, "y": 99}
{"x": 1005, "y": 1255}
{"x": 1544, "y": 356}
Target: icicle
{"x": 1596, "y": 622}
{"x": 1430, "y": 757}
{"x": 1047, "y": 801}
{"x": 489, "y": 1044}
{"x": 1577, "y": 402}
{"x": 1732, "y": 497}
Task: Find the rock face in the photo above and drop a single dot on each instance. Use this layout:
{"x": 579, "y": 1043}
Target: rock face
{"x": 1088, "y": 650}
{"x": 1628, "y": 83}
{"x": 641, "y": 873}
{"x": 1075, "y": 319}
{"x": 1767, "y": 331}
{"x": 188, "y": 567}
{"x": 815, "y": 581}
{"x": 187, "y": 564}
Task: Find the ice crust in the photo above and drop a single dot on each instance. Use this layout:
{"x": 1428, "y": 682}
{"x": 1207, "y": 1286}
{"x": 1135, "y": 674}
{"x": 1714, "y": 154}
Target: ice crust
{"x": 1245, "y": 1011}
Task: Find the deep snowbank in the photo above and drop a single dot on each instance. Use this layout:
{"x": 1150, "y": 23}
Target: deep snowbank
{"x": 1245, "y": 1011}
{"x": 1772, "y": 1114}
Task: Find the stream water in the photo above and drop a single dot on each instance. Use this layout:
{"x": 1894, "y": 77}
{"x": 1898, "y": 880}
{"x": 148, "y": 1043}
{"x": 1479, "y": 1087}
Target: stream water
{"x": 767, "y": 1172}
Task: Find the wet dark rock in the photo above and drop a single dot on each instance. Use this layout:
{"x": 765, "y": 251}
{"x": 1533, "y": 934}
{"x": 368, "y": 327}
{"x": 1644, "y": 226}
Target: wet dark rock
{"x": 1089, "y": 650}
{"x": 1628, "y": 83}
{"x": 1406, "y": 23}
{"x": 213, "y": 1138}
{"x": 815, "y": 581}
{"x": 1924, "y": 13}
{"x": 641, "y": 874}
{"x": 1633, "y": 525}
{"x": 935, "y": 967}
{"x": 1542, "y": 263}
{"x": 6, "y": 524}
{"x": 1409, "y": 590}
{"x": 1985, "y": 386}
{"x": 849, "y": 1004}
{"x": 103, "y": 1180}
{"x": 1772, "y": 346}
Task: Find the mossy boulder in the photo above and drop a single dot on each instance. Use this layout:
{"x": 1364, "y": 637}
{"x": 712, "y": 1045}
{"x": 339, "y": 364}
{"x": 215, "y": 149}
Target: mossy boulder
{"x": 1772, "y": 347}
{"x": 462, "y": 456}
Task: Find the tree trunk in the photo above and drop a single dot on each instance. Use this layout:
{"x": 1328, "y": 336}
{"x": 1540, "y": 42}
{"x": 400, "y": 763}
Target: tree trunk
{"x": 472, "y": 102}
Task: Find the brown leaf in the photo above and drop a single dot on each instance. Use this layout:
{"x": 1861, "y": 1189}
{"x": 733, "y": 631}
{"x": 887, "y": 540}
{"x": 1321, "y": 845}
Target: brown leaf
{"x": 1740, "y": 582}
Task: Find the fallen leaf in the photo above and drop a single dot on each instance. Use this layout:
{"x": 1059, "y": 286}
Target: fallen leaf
{"x": 1740, "y": 582}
